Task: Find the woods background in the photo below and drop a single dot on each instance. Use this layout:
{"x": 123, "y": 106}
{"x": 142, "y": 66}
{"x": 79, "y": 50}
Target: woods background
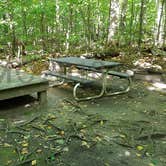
{"x": 81, "y": 25}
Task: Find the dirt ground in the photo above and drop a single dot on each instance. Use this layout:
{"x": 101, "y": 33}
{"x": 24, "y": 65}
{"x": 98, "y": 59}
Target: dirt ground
{"x": 122, "y": 130}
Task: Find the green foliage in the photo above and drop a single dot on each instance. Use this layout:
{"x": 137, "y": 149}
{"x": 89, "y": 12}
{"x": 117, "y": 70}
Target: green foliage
{"x": 84, "y": 21}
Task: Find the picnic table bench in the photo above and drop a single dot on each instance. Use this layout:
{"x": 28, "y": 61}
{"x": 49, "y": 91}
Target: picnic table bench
{"x": 97, "y": 66}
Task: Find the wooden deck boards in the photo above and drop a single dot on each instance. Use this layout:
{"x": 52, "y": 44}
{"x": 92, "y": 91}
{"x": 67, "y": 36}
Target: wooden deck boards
{"x": 14, "y": 83}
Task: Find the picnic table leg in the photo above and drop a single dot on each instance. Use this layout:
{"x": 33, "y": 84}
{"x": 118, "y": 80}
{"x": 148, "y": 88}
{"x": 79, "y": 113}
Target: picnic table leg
{"x": 85, "y": 98}
{"x": 103, "y": 89}
{"x": 62, "y": 81}
{"x": 42, "y": 97}
{"x": 122, "y": 91}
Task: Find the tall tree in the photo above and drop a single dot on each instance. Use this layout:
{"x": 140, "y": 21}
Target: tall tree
{"x": 141, "y": 20}
{"x": 159, "y": 29}
{"x": 122, "y": 20}
{"x": 113, "y": 20}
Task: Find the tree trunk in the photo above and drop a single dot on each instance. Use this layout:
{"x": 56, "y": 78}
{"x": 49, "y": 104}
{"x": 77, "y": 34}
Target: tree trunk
{"x": 131, "y": 22}
{"x": 57, "y": 16}
{"x": 159, "y": 30}
{"x": 141, "y": 19}
{"x": 122, "y": 20}
{"x": 42, "y": 29}
{"x": 164, "y": 41}
{"x": 113, "y": 20}
{"x": 24, "y": 16}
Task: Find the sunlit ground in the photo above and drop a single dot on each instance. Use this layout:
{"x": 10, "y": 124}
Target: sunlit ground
{"x": 158, "y": 86}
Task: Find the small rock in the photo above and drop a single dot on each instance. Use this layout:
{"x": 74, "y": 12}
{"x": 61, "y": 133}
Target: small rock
{"x": 15, "y": 64}
{"x": 127, "y": 153}
{"x": 27, "y": 106}
{"x": 130, "y": 72}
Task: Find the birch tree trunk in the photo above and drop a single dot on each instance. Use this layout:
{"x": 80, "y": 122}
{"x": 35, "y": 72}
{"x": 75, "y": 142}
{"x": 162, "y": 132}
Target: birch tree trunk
{"x": 164, "y": 42}
{"x": 113, "y": 20}
{"x": 159, "y": 29}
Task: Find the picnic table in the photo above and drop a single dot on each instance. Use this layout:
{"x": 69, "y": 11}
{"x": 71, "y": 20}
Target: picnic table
{"x": 98, "y": 66}
{"x": 14, "y": 83}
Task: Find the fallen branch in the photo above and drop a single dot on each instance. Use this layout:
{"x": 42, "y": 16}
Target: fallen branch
{"x": 57, "y": 128}
{"x": 72, "y": 103}
{"x": 16, "y": 132}
{"x": 123, "y": 144}
{"x": 30, "y": 121}
{"x": 48, "y": 119}
{"x": 152, "y": 136}
{"x": 38, "y": 128}
{"x": 24, "y": 162}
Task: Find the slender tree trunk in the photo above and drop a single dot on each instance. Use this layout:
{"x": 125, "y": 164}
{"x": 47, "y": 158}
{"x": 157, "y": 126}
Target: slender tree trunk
{"x": 164, "y": 41}
{"x": 57, "y": 16}
{"x": 122, "y": 20}
{"x": 24, "y": 16}
{"x": 98, "y": 21}
{"x": 141, "y": 19}
{"x": 131, "y": 21}
{"x": 159, "y": 34}
{"x": 13, "y": 35}
{"x": 13, "y": 40}
{"x": 67, "y": 39}
{"x": 113, "y": 20}
{"x": 89, "y": 24}
{"x": 43, "y": 30}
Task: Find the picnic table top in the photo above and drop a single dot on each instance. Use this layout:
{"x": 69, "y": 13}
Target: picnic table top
{"x": 91, "y": 63}
{"x": 11, "y": 78}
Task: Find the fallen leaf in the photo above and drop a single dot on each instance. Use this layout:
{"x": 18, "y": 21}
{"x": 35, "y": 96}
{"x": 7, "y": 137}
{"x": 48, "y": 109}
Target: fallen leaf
{"x": 24, "y": 151}
{"x": 122, "y": 136}
{"x": 7, "y": 145}
{"x": 138, "y": 155}
{"x": 151, "y": 164}
{"x": 49, "y": 127}
{"x": 9, "y": 162}
{"x": 25, "y": 145}
{"x": 62, "y": 133}
{"x": 140, "y": 147}
{"x": 39, "y": 151}
{"x": 34, "y": 162}
{"x": 97, "y": 138}
{"x": 84, "y": 143}
{"x": 66, "y": 149}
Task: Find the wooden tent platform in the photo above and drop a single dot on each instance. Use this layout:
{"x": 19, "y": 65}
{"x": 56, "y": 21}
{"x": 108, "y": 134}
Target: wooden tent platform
{"x": 14, "y": 83}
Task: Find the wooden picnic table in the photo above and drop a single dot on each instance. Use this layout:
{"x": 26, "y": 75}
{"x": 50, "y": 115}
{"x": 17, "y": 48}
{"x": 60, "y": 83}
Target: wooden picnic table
{"x": 97, "y": 66}
{"x": 14, "y": 83}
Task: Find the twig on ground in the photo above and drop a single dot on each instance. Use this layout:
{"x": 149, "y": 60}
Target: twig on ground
{"x": 57, "y": 128}
{"x": 30, "y": 121}
{"x": 38, "y": 128}
{"x": 72, "y": 103}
